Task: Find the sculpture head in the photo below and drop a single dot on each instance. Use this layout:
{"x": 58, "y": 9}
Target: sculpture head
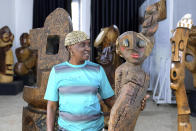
{"x": 25, "y": 40}
{"x": 105, "y": 44}
{"x": 133, "y": 47}
{"x": 6, "y": 37}
{"x": 179, "y": 47}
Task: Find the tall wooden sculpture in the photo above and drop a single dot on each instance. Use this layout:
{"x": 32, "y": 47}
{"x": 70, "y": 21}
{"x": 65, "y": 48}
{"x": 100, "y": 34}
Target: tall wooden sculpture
{"x": 27, "y": 60}
{"x": 107, "y": 57}
{"x": 49, "y": 42}
{"x": 6, "y": 55}
{"x": 131, "y": 82}
{"x": 191, "y": 50}
{"x": 177, "y": 73}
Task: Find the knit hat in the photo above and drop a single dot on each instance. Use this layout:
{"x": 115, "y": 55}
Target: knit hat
{"x": 75, "y": 37}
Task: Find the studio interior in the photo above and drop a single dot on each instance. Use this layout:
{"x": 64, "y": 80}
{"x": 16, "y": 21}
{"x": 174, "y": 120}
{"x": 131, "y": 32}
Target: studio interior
{"x": 145, "y": 48}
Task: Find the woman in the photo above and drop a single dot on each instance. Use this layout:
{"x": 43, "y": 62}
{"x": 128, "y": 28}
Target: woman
{"x": 75, "y": 84}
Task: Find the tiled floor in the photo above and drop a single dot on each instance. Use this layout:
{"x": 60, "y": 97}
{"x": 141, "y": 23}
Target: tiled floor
{"x": 153, "y": 118}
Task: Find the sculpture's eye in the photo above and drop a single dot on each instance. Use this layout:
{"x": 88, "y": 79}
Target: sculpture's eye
{"x": 181, "y": 45}
{"x": 173, "y": 46}
{"x": 141, "y": 43}
{"x": 125, "y": 42}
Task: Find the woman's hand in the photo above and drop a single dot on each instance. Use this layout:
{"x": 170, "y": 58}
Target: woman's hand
{"x": 143, "y": 102}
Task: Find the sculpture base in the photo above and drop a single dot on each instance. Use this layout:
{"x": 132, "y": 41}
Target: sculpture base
{"x": 34, "y": 119}
{"x": 11, "y": 88}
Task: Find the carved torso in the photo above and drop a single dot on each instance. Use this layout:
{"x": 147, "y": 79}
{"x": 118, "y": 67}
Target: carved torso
{"x": 130, "y": 88}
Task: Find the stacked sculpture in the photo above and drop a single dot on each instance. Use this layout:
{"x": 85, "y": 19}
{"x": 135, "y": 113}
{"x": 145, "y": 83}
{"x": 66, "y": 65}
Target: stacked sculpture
{"x": 182, "y": 45}
{"x": 27, "y": 59}
{"x": 49, "y": 41}
{"x": 6, "y": 56}
{"x": 131, "y": 82}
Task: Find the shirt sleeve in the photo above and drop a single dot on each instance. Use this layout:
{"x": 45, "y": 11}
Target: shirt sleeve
{"x": 105, "y": 89}
{"x": 51, "y": 93}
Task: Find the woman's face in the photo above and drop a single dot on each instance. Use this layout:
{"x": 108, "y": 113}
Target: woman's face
{"x": 81, "y": 50}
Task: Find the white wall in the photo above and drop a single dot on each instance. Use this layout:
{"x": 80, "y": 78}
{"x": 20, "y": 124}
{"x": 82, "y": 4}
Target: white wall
{"x": 18, "y": 15}
{"x": 85, "y": 13}
{"x": 182, "y": 7}
{"x": 7, "y": 14}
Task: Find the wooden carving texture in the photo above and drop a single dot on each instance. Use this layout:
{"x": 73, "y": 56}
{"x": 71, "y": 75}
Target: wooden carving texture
{"x": 107, "y": 57}
{"x": 131, "y": 82}
{"x": 57, "y": 25}
{"x": 177, "y": 73}
{"x": 191, "y": 50}
{"x": 27, "y": 58}
{"x": 6, "y": 55}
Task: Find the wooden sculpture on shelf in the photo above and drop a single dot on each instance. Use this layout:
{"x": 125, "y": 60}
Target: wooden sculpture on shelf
{"x": 131, "y": 82}
{"x": 27, "y": 59}
{"x": 6, "y": 55}
{"x": 179, "y": 43}
{"x": 49, "y": 42}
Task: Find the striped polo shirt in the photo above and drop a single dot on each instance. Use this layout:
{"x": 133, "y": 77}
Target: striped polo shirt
{"x": 76, "y": 88}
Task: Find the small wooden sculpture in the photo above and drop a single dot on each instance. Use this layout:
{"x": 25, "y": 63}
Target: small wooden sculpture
{"x": 177, "y": 73}
{"x": 131, "y": 82}
{"x": 49, "y": 41}
{"x": 107, "y": 57}
{"x": 26, "y": 58}
{"x": 6, "y": 55}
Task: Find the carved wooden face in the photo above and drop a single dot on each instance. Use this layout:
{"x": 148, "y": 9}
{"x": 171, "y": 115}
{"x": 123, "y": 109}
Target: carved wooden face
{"x": 179, "y": 45}
{"x": 6, "y": 37}
{"x": 132, "y": 47}
{"x": 25, "y": 40}
{"x": 105, "y": 44}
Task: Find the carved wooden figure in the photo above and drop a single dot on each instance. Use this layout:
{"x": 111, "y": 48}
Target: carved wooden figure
{"x": 106, "y": 48}
{"x": 131, "y": 82}
{"x": 191, "y": 51}
{"x": 6, "y": 55}
{"x": 177, "y": 73}
{"x": 27, "y": 58}
{"x": 107, "y": 57}
{"x": 49, "y": 42}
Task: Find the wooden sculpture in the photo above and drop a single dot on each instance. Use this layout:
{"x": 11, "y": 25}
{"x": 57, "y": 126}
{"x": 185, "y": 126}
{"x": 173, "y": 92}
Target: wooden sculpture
{"x": 191, "y": 50}
{"x": 6, "y": 55}
{"x": 107, "y": 57}
{"x": 49, "y": 42}
{"x": 177, "y": 73}
{"x": 27, "y": 59}
{"x": 131, "y": 82}
{"x": 106, "y": 49}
